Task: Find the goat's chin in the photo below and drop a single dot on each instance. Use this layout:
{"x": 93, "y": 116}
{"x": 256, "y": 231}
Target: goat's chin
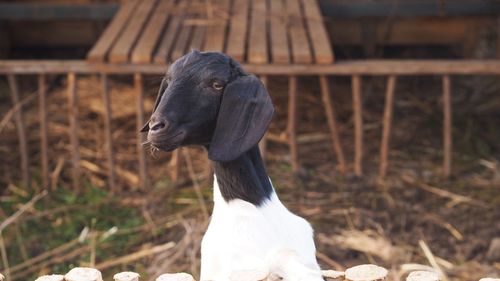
{"x": 167, "y": 143}
{"x": 167, "y": 148}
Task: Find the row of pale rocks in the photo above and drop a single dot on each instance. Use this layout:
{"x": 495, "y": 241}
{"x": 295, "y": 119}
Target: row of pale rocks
{"x": 366, "y": 272}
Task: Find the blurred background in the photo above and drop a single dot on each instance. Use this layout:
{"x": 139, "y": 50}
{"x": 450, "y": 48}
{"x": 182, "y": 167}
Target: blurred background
{"x": 386, "y": 136}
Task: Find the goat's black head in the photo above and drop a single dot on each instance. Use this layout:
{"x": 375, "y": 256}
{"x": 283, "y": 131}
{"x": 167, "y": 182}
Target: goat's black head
{"x": 207, "y": 99}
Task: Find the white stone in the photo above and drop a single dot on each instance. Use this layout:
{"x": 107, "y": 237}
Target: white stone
{"x": 52, "y": 277}
{"x": 333, "y": 274}
{"x": 366, "y": 272}
{"x": 175, "y": 277}
{"x": 83, "y": 274}
{"x": 126, "y": 276}
{"x": 422, "y": 276}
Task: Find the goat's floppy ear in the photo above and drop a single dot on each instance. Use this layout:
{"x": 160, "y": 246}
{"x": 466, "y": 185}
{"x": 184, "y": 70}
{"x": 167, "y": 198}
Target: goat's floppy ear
{"x": 245, "y": 112}
{"x": 163, "y": 87}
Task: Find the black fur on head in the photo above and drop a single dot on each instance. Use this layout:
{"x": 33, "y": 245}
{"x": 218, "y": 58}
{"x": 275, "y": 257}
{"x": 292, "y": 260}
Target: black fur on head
{"x": 207, "y": 99}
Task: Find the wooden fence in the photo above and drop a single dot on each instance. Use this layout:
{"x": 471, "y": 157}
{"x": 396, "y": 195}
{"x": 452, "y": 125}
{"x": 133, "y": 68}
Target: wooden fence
{"x": 355, "y": 69}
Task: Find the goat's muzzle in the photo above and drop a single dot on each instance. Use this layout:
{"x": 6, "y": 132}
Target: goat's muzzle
{"x": 163, "y": 135}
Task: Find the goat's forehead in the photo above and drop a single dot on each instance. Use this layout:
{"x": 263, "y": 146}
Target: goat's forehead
{"x": 200, "y": 65}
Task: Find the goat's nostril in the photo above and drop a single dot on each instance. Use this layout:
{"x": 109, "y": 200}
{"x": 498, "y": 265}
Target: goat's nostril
{"x": 156, "y": 126}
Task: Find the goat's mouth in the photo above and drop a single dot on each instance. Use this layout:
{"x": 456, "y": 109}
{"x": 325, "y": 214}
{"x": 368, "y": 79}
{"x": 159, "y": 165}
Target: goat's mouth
{"x": 166, "y": 142}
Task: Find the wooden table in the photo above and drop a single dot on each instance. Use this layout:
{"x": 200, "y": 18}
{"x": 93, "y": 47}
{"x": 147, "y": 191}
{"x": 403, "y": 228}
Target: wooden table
{"x": 255, "y": 32}
{"x": 259, "y": 32}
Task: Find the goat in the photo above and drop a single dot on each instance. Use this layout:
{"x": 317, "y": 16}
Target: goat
{"x": 207, "y": 99}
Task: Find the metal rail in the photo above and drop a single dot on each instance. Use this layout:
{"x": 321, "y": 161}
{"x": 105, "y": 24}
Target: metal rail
{"x": 355, "y": 69}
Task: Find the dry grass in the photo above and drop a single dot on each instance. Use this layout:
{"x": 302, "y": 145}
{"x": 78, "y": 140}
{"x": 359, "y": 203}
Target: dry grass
{"x": 357, "y": 220}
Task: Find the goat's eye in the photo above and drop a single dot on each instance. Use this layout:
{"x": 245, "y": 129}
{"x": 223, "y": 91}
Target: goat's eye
{"x": 217, "y": 85}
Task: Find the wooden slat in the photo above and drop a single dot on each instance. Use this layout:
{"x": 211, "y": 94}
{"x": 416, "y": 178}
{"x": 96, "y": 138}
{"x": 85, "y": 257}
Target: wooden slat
{"x": 447, "y": 133}
{"x": 358, "y": 125}
{"x": 237, "y": 30}
{"x": 292, "y": 123}
{"x": 341, "y": 68}
{"x": 208, "y": 171}
{"x": 263, "y": 141}
{"x": 100, "y": 50}
{"x": 498, "y": 38}
{"x": 170, "y": 35}
{"x": 368, "y": 37}
{"x": 175, "y": 164}
{"x": 280, "y": 52}
{"x": 143, "y": 51}
{"x": 200, "y": 27}
{"x": 198, "y": 37}
{"x": 21, "y": 130}
{"x": 320, "y": 42}
{"x": 108, "y": 133}
{"x": 182, "y": 40}
{"x": 332, "y": 122}
{"x": 216, "y": 31}
{"x": 257, "y": 42}
{"x": 74, "y": 126}
{"x": 181, "y": 43}
{"x": 123, "y": 46}
{"x": 300, "y": 46}
{"x": 387, "y": 123}
{"x": 139, "y": 91}
{"x": 44, "y": 139}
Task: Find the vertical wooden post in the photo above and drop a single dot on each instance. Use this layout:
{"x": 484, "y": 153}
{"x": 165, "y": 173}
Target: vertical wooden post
{"x": 263, "y": 141}
{"x": 386, "y": 123}
{"x": 5, "y": 259}
{"x": 442, "y": 7}
{"x": 358, "y": 125}
{"x": 332, "y": 122}
{"x": 21, "y": 131}
{"x": 368, "y": 37}
{"x": 208, "y": 168}
{"x": 107, "y": 132}
{"x": 498, "y": 37}
{"x": 175, "y": 165}
{"x": 74, "y": 128}
{"x": 292, "y": 122}
{"x": 447, "y": 126}
{"x": 140, "y": 137}
{"x": 44, "y": 141}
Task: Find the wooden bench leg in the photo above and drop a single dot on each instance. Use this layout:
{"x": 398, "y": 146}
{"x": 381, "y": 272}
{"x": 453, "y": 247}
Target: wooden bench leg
{"x": 107, "y": 130}
{"x": 21, "y": 131}
{"x": 386, "y": 123}
{"x": 332, "y": 123}
{"x": 447, "y": 126}
{"x": 74, "y": 126}
{"x": 263, "y": 141}
{"x": 358, "y": 125}
{"x": 292, "y": 122}
{"x": 139, "y": 91}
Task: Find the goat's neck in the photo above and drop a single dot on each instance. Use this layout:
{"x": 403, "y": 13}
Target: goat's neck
{"x": 244, "y": 178}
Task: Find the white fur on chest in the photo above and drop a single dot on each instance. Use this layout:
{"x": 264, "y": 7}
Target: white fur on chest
{"x": 242, "y": 236}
